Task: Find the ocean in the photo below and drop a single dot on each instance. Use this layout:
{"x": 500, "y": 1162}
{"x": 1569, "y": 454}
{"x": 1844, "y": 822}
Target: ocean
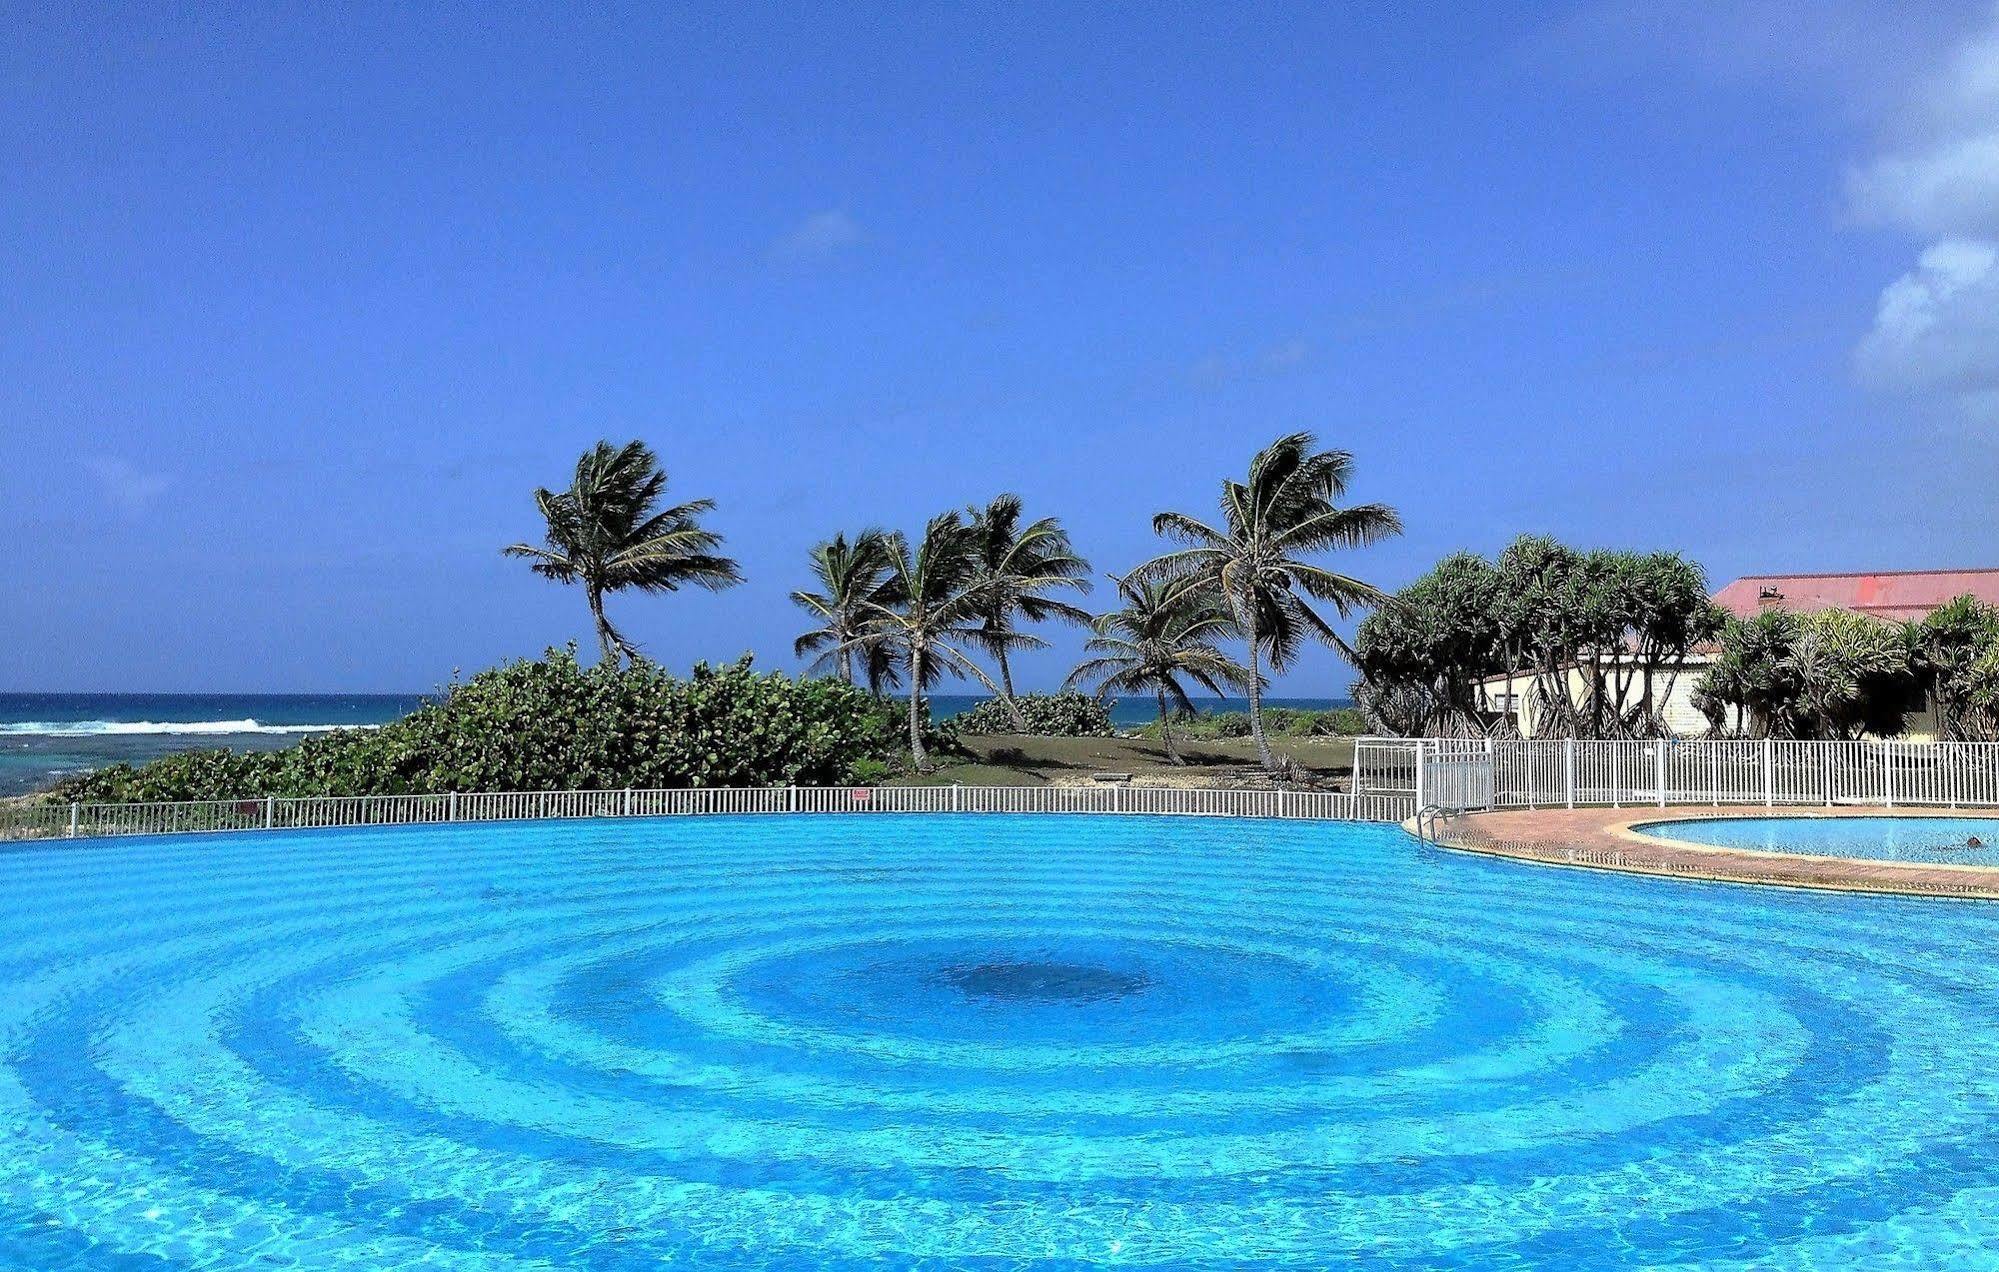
{"x": 45, "y": 736}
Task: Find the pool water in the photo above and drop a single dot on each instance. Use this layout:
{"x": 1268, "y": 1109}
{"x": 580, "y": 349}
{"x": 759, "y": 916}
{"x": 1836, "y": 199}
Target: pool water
{"x": 978, "y": 1042}
{"x": 1966, "y": 841}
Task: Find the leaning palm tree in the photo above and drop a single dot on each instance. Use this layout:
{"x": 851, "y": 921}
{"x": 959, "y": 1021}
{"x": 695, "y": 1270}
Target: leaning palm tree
{"x": 1020, "y": 567}
{"x": 929, "y": 608}
{"x": 850, "y": 575}
{"x": 1256, "y": 560}
{"x": 608, "y": 533}
{"x": 1164, "y": 631}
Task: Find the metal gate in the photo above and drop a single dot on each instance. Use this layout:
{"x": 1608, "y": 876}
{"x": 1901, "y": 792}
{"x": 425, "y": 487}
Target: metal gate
{"x": 1448, "y": 773}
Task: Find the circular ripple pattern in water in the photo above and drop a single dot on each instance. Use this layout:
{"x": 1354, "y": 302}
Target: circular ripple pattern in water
{"x": 974, "y": 1042}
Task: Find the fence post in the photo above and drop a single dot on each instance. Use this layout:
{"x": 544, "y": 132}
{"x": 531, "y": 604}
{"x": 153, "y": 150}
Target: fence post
{"x": 74, "y": 811}
{"x": 270, "y": 811}
{"x": 1419, "y": 775}
{"x": 1825, "y": 764}
{"x": 1659, "y": 765}
{"x": 957, "y": 797}
{"x": 454, "y": 806}
{"x": 1569, "y": 770}
{"x": 1769, "y": 777}
{"x": 1887, "y": 771}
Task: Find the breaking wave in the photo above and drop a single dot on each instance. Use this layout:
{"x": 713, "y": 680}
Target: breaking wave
{"x": 117, "y": 728}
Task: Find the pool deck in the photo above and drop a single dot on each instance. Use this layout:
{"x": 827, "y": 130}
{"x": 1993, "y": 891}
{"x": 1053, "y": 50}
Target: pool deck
{"x": 1604, "y": 839}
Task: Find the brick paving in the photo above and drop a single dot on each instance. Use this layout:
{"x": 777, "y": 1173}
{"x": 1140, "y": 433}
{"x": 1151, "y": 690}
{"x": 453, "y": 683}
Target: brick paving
{"x": 1602, "y": 838}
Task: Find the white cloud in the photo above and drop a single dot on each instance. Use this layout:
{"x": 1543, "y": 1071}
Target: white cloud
{"x": 1938, "y": 325}
{"x": 128, "y": 489}
{"x": 1942, "y": 176}
{"x": 818, "y": 237}
{"x": 1936, "y": 328}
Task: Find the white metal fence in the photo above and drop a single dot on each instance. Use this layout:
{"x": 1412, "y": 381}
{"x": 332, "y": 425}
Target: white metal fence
{"x": 1558, "y": 773}
{"x": 75, "y": 821}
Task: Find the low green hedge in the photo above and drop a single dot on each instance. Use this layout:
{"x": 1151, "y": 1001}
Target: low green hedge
{"x": 1048, "y": 715}
{"x": 551, "y": 724}
{"x": 1278, "y": 722}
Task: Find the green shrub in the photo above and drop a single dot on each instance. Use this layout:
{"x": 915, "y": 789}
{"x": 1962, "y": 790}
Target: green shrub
{"x": 554, "y": 725}
{"x": 1048, "y": 715}
{"x": 1278, "y": 722}
{"x": 1340, "y": 722}
{"x": 1222, "y": 724}
{"x": 868, "y": 771}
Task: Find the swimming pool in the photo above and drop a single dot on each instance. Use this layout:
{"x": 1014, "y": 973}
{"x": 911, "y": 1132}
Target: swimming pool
{"x": 1939, "y": 840}
{"x": 973, "y": 1042}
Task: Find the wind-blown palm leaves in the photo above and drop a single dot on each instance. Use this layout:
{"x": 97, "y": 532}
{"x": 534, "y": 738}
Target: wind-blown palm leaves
{"x": 608, "y": 533}
{"x": 929, "y": 608}
{"x": 1019, "y": 567}
{"x": 1164, "y": 631}
{"x": 851, "y": 575}
{"x": 1284, "y": 513}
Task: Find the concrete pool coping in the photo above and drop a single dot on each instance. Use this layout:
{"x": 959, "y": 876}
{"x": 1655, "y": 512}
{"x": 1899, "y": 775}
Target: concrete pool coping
{"x": 1609, "y": 839}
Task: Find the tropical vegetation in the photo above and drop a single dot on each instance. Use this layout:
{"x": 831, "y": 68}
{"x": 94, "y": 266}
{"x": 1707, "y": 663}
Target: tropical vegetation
{"x": 930, "y": 610}
{"x": 1956, "y": 653}
{"x": 608, "y": 533}
{"x": 551, "y": 724}
{"x": 1830, "y": 674}
{"x": 854, "y": 581}
{"x": 1166, "y": 632}
{"x": 1600, "y": 638}
{"x": 1278, "y": 722}
{"x": 1020, "y": 570}
{"x": 1259, "y": 559}
{"x": 1044, "y": 715}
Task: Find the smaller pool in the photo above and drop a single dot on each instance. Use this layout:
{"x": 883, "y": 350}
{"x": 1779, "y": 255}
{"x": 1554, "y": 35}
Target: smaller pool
{"x": 1931, "y": 840}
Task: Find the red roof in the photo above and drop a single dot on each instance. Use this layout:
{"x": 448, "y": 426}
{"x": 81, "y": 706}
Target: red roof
{"x": 1905, "y": 595}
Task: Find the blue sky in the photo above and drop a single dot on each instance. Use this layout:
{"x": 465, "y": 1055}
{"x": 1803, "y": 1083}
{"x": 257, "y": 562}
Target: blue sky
{"x": 300, "y": 306}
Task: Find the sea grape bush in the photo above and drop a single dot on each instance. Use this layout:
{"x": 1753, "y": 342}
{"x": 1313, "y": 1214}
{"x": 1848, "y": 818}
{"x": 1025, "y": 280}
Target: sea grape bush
{"x": 551, "y": 724}
{"x": 1284, "y": 722}
{"x": 1048, "y": 715}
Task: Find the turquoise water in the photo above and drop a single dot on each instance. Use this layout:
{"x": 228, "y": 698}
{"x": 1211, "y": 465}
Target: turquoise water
{"x": 1925, "y": 839}
{"x": 981, "y": 1042}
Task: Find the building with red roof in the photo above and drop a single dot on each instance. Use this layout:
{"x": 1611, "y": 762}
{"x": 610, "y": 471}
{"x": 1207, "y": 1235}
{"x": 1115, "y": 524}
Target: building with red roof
{"x": 1903, "y": 595}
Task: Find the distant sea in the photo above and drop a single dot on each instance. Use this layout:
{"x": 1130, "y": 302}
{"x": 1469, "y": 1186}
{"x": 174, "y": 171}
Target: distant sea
{"x": 44, "y": 736}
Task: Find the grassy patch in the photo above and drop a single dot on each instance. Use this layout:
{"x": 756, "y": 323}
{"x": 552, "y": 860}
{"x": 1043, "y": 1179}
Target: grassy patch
{"x": 1012, "y": 760}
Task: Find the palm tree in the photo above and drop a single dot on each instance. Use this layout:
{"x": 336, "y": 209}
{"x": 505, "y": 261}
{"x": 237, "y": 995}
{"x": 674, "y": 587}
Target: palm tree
{"x": 850, "y": 575}
{"x": 1020, "y": 566}
{"x": 930, "y": 606}
{"x": 1163, "y": 632}
{"x": 1256, "y": 561}
{"x": 608, "y": 533}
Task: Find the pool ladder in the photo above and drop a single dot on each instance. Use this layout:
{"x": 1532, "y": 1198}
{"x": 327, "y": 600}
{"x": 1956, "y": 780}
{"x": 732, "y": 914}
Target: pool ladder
{"x": 1430, "y": 816}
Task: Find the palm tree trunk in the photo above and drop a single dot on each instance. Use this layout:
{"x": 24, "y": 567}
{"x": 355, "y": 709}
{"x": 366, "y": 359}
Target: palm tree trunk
{"x": 1006, "y": 690}
{"x": 846, "y": 662}
{"x": 1166, "y": 729}
{"x": 1248, "y": 616}
{"x": 607, "y": 638}
{"x": 917, "y": 754}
